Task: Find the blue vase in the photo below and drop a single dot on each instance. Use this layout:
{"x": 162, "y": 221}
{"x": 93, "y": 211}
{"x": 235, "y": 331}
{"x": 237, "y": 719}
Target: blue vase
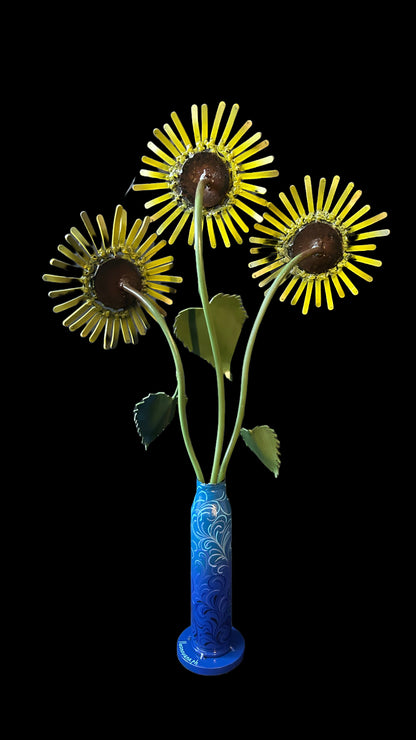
{"x": 211, "y": 645}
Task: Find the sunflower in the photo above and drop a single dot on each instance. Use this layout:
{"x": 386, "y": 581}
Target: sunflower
{"x": 327, "y": 223}
{"x": 230, "y": 171}
{"x": 98, "y": 266}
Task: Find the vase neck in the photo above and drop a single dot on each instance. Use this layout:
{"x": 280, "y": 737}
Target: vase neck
{"x": 211, "y": 491}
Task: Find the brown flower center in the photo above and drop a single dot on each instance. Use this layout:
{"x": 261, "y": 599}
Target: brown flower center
{"x": 324, "y": 236}
{"x": 108, "y": 282}
{"x": 217, "y": 177}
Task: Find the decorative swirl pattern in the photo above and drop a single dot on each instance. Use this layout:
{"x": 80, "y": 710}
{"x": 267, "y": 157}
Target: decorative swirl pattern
{"x": 211, "y": 570}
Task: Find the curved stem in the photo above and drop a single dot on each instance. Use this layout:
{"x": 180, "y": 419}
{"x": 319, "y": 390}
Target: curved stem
{"x": 203, "y": 292}
{"x": 249, "y": 350}
{"x": 180, "y": 376}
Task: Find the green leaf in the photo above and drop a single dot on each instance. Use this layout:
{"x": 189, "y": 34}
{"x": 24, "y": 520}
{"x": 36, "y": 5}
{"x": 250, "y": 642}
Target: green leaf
{"x": 228, "y": 314}
{"x": 264, "y": 443}
{"x": 153, "y": 414}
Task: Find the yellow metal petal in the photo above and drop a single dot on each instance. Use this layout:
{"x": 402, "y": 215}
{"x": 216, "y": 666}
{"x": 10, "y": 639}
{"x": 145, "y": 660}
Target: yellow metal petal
{"x": 155, "y": 216}
{"x": 68, "y": 304}
{"x": 82, "y": 242}
{"x": 356, "y": 216}
{"x": 159, "y": 265}
{"x": 243, "y": 130}
{"x": 125, "y": 330}
{"x": 211, "y": 234}
{"x": 328, "y": 294}
{"x": 266, "y": 230}
{"x": 231, "y": 227}
{"x": 90, "y": 228}
{"x": 57, "y": 279}
{"x": 253, "y": 197}
{"x": 222, "y": 230}
{"x": 152, "y": 186}
{"x": 369, "y": 222}
{"x": 229, "y": 124}
{"x": 191, "y": 233}
{"x": 175, "y": 140}
{"x": 204, "y": 122}
{"x": 351, "y": 203}
{"x": 160, "y": 153}
{"x": 299, "y": 292}
{"x": 243, "y": 151}
{"x": 239, "y": 203}
{"x": 331, "y": 193}
{"x": 166, "y": 142}
{"x": 133, "y": 231}
{"x": 308, "y": 294}
{"x": 359, "y": 272}
{"x": 372, "y": 234}
{"x": 318, "y": 293}
{"x": 367, "y": 260}
{"x": 108, "y": 331}
{"x": 259, "y": 175}
{"x": 98, "y": 329}
{"x": 90, "y": 326}
{"x": 172, "y": 279}
{"x": 348, "y": 282}
{"x": 296, "y": 198}
{"x": 309, "y": 194}
{"x": 252, "y": 188}
{"x": 169, "y": 220}
{"x": 79, "y": 316}
{"x": 185, "y": 138}
{"x": 148, "y": 254}
{"x": 138, "y": 232}
{"x": 270, "y": 277}
{"x": 217, "y": 121}
{"x": 139, "y": 319}
{"x": 63, "y": 291}
{"x": 153, "y": 174}
{"x": 75, "y": 257}
{"x": 156, "y": 294}
{"x": 288, "y": 288}
{"x": 179, "y": 226}
{"x": 115, "y": 332}
{"x": 268, "y": 268}
{"x": 362, "y": 248}
{"x": 155, "y": 163}
{"x": 160, "y": 199}
{"x": 342, "y": 199}
{"x": 239, "y": 221}
{"x": 283, "y": 197}
{"x": 321, "y": 191}
{"x": 338, "y": 286}
{"x": 195, "y": 124}
{"x": 146, "y": 245}
{"x": 275, "y": 223}
{"x": 256, "y": 163}
{"x": 119, "y": 226}
{"x": 280, "y": 215}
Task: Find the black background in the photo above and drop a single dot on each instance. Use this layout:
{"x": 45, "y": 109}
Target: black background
{"x": 318, "y": 553}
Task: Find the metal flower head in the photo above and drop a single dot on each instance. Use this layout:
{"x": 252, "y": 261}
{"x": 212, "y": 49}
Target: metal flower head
{"x": 328, "y": 224}
{"x": 229, "y": 167}
{"x": 98, "y": 267}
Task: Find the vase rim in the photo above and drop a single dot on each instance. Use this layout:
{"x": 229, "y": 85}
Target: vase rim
{"x": 221, "y": 484}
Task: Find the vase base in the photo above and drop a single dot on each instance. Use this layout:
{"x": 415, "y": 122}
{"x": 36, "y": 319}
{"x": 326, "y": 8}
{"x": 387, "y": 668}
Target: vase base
{"x": 195, "y": 662}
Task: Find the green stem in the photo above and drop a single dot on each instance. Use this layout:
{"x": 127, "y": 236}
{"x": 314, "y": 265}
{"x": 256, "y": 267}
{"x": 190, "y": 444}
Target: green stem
{"x": 249, "y": 350}
{"x": 180, "y": 376}
{"x": 203, "y": 292}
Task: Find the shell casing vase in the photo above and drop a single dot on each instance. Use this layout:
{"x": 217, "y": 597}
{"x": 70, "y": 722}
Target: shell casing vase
{"x": 211, "y": 645}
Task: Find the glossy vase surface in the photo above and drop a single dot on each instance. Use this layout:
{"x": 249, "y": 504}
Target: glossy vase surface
{"x": 211, "y": 645}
